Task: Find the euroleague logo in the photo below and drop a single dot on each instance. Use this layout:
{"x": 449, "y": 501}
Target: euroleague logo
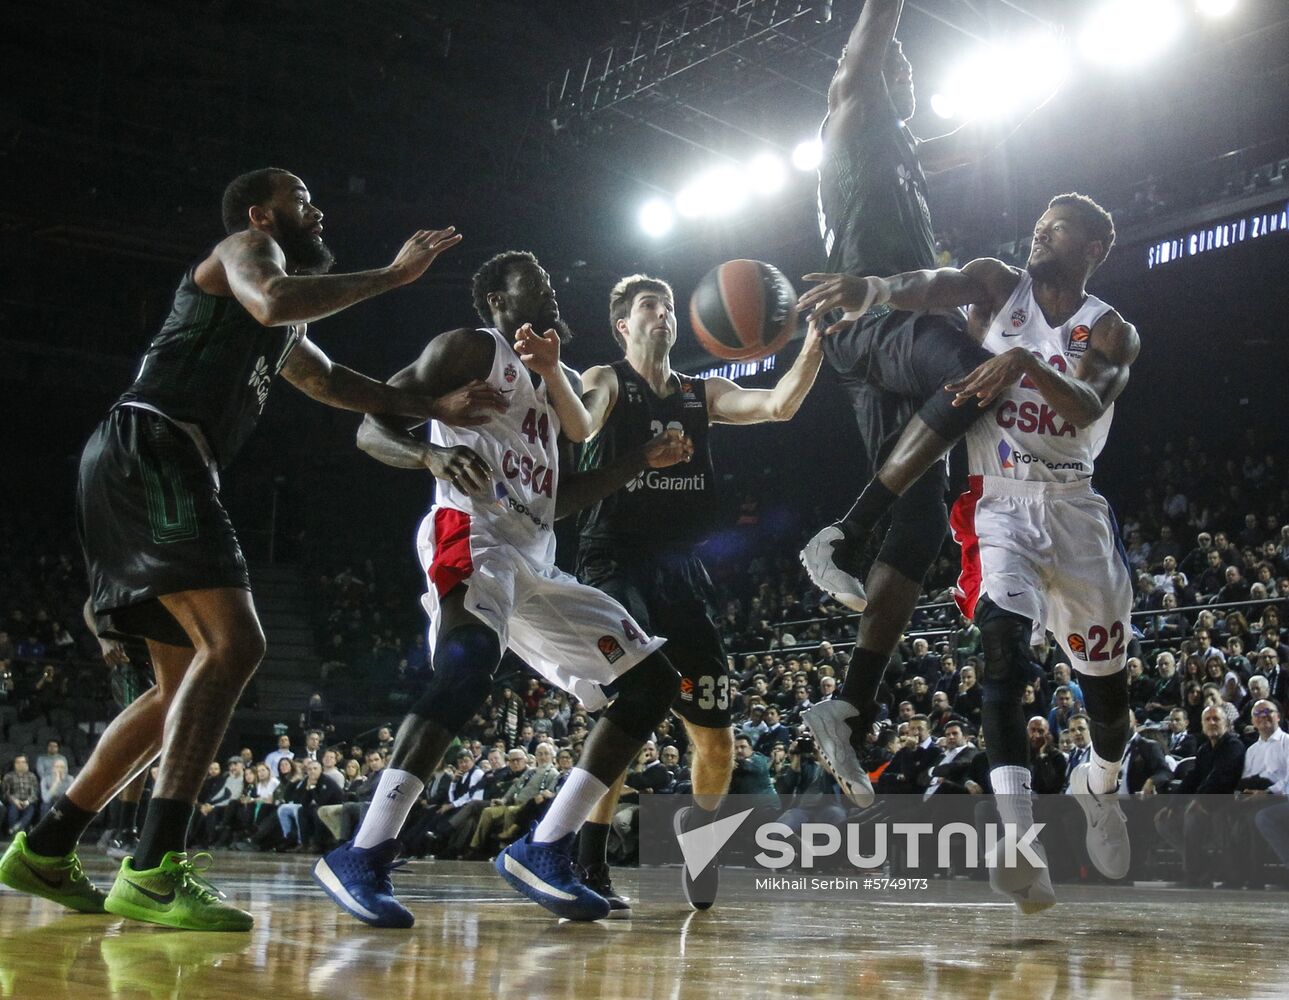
{"x": 1080, "y": 337}
{"x": 610, "y": 648}
{"x": 1018, "y": 317}
{"x": 1078, "y": 646}
{"x": 509, "y": 373}
{"x": 686, "y": 689}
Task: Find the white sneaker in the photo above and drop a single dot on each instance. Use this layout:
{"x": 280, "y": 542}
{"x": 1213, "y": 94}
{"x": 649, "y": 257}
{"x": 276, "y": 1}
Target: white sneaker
{"x": 1107, "y": 837}
{"x": 1028, "y": 887}
{"x": 817, "y": 558}
{"x": 829, "y": 721}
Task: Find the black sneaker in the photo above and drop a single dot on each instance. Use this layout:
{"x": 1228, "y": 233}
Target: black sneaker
{"x": 700, "y": 890}
{"x": 599, "y": 880}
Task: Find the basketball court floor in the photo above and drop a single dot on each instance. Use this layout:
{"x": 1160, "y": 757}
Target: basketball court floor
{"x": 475, "y": 938}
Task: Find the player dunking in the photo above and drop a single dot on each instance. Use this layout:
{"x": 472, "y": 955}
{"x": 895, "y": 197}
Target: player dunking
{"x": 163, "y": 559}
{"x": 637, "y": 544}
{"x": 892, "y": 364}
{"x": 488, "y": 550}
{"x": 1040, "y": 547}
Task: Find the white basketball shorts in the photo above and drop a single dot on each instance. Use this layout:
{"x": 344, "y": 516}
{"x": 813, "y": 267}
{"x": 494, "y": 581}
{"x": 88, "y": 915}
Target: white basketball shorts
{"x": 575, "y": 636}
{"x": 1050, "y": 552}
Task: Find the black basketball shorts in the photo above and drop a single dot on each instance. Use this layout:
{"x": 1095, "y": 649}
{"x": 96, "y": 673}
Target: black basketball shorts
{"x": 670, "y": 595}
{"x": 150, "y": 523}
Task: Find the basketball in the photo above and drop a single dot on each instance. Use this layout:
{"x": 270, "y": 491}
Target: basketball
{"x": 743, "y": 310}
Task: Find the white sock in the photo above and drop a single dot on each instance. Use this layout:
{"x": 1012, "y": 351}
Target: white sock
{"x": 1012, "y": 795}
{"x": 1103, "y": 776}
{"x": 572, "y": 805}
{"x": 394, "y": 798}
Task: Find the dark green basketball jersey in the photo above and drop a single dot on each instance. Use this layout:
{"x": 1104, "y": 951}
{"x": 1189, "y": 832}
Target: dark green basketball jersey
{"x": 211, "y": 365}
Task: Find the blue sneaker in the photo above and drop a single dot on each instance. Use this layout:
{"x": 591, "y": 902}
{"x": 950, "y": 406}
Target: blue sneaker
{"x": 357, "y": 878}
{"x": 546, "y": 875}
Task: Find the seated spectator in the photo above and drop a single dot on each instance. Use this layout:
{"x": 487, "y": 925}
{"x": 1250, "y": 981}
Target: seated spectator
{"x": 910, "y": 769}
{"x": 283, "y": 750}
{"x": 1181, "y": 744}
{"x": 751, "y": 774}
{"x": 969, "y": 700}
{"x": 1064, "y": 708}
{"x": 775, "y": 732}
{"x": 1167, "y": 693}
{"x": 21, "y": 795}
{"x": 45, "y": 762}
{"x": 1145, "y": 768}
{"x": 950, "y": 775}
{"x": 342, "y": 818}
{"x": 1189, "y": 826}
{"x": 54, "y": 786}
{"x": 501, "y": 817}
{"x": 1047, "y": 764}
{"x": 1080, "y": 746}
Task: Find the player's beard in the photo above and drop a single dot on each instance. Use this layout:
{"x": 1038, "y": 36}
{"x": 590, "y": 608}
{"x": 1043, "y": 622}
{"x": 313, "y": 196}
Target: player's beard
{"x": 1045, "y": 271}
{"x": 305, "y": 253}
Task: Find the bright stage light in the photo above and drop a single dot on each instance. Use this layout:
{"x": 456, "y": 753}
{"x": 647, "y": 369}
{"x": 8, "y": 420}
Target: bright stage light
{"x": 656, "y": 217}
{"x": 717, "y": 192}
{"x": 766, "y": 173}
{"x": 944, "y": 105}
{"x": 1124, "y": 33}
{"x": 1215, "y": 8}
{"x": 806, "y": 155}
{"x": 995, "y": 82}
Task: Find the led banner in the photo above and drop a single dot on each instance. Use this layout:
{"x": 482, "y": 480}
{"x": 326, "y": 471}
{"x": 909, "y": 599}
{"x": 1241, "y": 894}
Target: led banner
{"x": 1273, "y": 221}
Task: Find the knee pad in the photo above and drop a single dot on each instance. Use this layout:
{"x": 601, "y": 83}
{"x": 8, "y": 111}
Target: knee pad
{"x": 1004, "y": 638}
{"x": 464, "y": 661}
{"x": 644, "y": 695}
{"x": 919, "y": 525}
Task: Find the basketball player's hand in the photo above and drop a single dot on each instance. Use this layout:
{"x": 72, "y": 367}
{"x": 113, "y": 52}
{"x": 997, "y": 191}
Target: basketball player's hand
{"x": 462, "y": 467}
{"x": 539, "y": 352}
{"x": 853, "y": 295}
{"x": 985, "y": 383}
{"x": 470, "y": 405}
{"x": 419, "y": 252}
{"x": 671, "y": 447}
{"x": 113, "y": 652}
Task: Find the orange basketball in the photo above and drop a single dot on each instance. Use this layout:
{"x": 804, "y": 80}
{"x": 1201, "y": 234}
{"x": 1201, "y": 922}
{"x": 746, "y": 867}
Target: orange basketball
{"x": 743, "y": 310}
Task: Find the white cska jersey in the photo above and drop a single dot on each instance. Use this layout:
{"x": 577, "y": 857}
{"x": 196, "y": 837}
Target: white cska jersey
{"x": 1022, "y": 437}
{"x": 521, "y": 447}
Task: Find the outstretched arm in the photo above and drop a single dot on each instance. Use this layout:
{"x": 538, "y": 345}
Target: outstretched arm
{"x": 317, "y": 376}
{"x": 453, "y": 369}
{"x": 540, "y": 354}
{"x": 728, "y": 403}
{"x": 1080, "y": 397}
{"x": 860, "y": 86}
{"x": 985, "y": 282}
{"x": 254, "y": 268}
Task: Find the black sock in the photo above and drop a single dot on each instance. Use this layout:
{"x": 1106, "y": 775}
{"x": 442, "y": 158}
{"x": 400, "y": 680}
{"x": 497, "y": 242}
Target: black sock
{"x": 165, "y": 829}
{"x": 128, "y": 818}
{"x": 862, "y": 518}
{"x": 58, "y": 833}
{"x": 698, "y": 816}
{"x": 863, "y": 678}
{"x": 592, "y": 844}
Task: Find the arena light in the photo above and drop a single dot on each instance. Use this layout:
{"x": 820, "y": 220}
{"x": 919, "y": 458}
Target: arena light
{"x": 1126, "y": 33}
{"x": 806, "y": 155}
{"x": 656, "y": 217}
{"x": 766, "y": 173}
{"x": 1215, "y": 8}
{"x": 944, "y": 105}
{"x": 984, "y": 85}
{"x": 717, "y": 192}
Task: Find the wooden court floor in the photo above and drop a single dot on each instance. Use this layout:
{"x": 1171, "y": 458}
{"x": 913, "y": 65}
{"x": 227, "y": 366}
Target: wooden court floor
{"x": 474, "y": 938}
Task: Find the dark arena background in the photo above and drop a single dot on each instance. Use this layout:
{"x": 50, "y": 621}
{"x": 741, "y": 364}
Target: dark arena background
{"x": 614, "y": 137}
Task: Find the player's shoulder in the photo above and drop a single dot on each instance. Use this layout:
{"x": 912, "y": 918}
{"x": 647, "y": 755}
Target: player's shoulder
{"x": 247, "y": 242}
{"x": 464, "y": 348}
{"x": 1113, "y": 334}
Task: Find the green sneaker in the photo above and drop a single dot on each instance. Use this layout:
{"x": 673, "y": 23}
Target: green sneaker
{"x": 174, "y": 894}
{"x": 61, "y": 879}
